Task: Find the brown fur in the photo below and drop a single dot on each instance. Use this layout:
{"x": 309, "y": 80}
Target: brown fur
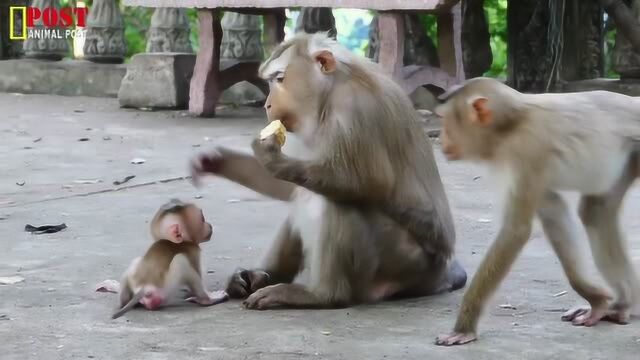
{"x": 546, "y": 144}
{"x": 155, "y": 263}
{"x": 385, "y": 228}
{"x": 171, "y": 262}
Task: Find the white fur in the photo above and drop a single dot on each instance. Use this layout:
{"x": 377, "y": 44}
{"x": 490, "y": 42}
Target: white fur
{"x": 278, "y": 64}
{"x": 322, "y": 42}
{"x": 575, "y": 171}
{"x": 307, "y": 213}
{"x": 308, "y": 207}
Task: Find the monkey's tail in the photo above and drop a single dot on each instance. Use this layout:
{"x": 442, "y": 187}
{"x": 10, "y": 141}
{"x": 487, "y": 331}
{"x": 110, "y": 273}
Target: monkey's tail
{"x": 457, "y": 275}
{"x": 133, "y": 302}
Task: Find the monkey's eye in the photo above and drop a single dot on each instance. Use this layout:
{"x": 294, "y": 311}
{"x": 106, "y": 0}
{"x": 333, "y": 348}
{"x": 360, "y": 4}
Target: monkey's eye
{"x": 280, "y": 78}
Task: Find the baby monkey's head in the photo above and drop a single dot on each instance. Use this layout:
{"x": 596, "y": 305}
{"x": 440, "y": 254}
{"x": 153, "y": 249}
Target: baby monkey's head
{"x": 180, "y": 222}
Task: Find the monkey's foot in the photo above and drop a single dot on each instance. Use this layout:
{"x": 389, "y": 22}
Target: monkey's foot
{"x": 586, "y": 316}
{"x": 456, "y": 338}
{"x": 111, "y": 286}
{"x": 265, "y": 298}
{"x": 214, "y": 298}
{"x": 245, "y": 282}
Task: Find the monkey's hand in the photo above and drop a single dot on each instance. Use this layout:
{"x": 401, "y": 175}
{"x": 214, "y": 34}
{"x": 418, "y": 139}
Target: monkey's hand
{"x": 456, "y": 338}
{"x": 245, "y": 282}
{"x": 206, "y": 163}
{"x": 267, "y": 148}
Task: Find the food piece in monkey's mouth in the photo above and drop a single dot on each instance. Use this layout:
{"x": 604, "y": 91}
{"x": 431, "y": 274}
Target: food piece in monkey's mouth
{"x": 275, "y": 127}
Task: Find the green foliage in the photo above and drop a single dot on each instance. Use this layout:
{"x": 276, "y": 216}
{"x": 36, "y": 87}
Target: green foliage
{"x": 609, "y": 42}
{"x": 192, "y": 15}
{"x": 496, "y": 12}
{"x": 353, "y": 28}
{"x": 137, "y": 20}
{"x": 430, "y": 24}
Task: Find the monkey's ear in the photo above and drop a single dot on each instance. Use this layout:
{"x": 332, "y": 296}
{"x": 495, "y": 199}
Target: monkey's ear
{"x": 483, "y": 115}
{"x": 326, "y": 60}
{"x": 175, "y": 233}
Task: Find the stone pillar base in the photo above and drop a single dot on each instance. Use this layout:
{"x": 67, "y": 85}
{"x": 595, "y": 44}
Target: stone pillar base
{"x": 157, "y": 80}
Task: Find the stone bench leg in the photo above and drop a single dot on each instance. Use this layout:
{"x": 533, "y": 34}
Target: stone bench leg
{"x": 208, "y": 81}
{"x": 205, "y": 90}
{"x": 274, "y": 23}
{"x": 391, "y": 52}
{"x": 450, "y": 42}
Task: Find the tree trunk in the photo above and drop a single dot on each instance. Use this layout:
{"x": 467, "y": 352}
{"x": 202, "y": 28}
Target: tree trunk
{"x": 624, "y": 20}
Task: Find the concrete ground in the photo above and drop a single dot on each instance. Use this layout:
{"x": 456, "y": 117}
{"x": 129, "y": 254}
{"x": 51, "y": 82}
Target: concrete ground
{"x": 55, "y": 313}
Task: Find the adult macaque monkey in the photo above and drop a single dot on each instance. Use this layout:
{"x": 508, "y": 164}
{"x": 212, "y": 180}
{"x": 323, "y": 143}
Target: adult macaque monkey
{"x": 369, "y": 216}
{"x": 171, "y": 263}
{"x": 546, "y": 143}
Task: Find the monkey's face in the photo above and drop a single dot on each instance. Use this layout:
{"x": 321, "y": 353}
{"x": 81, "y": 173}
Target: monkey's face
{"x": 185, "y": 225}
{"x": 199, "y": 229}
{"x": 461, "y": 136}
{"x": 280, "y": 105}
{"x": 298, "y": 81}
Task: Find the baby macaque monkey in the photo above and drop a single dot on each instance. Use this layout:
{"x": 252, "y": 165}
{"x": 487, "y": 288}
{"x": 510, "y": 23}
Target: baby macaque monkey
{"x": 172, "y": 263}
{"x": 544, "y": 144}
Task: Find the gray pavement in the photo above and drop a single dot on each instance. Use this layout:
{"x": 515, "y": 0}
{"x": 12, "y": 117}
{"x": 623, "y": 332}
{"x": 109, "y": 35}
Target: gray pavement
{"x": 55, "y": 314}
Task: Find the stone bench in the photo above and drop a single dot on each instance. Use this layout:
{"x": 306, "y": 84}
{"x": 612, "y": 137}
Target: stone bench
{"x": 208, "y": 81}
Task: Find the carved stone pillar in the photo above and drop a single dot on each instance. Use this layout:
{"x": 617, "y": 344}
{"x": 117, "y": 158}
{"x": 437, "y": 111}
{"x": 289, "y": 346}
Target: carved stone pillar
{"x": 242, "y": 46}
{"x": 104, "y": 41}
{"x": 169, "y": 31}
{"x": 242, "y": 38}
{"x": 476, "y": 47}
{"x": 312, "y": 20}
{"x": 626, "y": 61}
{"x": 49, "y": 49}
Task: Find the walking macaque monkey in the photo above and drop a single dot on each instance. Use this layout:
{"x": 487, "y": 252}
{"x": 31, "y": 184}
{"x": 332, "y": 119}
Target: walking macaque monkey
{"x": 172, "y": 263}
{"x": 368, "y": 216}
{"x": 587, "y": 142}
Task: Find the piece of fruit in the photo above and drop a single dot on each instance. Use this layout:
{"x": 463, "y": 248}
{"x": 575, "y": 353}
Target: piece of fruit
{"x": 275, "y": 127}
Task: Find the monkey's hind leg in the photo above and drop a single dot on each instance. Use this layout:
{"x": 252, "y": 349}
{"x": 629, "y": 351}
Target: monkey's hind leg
{"x": 341, "y": 267}
{"x": 600, "y": 217}
{"x": 281, "y": 265}
{"x": 560, "y": 230}
{"x": 182, "y": 274}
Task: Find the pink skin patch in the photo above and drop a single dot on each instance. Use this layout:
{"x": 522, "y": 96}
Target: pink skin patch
{"x": 152, "y": 300}
{"x": 382, "y": 290}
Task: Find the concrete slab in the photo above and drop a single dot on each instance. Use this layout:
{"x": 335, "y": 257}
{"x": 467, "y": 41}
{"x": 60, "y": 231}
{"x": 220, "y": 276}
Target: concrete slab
{"x": 66, "y": 77}
{"x": 54, "y": 313}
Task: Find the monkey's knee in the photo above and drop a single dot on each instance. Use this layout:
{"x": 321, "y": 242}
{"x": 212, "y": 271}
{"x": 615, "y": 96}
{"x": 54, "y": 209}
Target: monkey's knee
{"x": 590, "y": 210}
{"x": 594, "y": 295}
